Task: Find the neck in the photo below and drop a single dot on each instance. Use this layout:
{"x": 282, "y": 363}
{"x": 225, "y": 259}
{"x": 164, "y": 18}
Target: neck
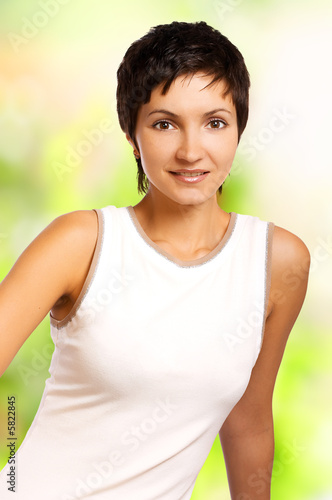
{"x": 186, "y": 229}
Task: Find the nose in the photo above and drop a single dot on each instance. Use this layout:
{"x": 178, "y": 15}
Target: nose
{"x": 190, "y": 148}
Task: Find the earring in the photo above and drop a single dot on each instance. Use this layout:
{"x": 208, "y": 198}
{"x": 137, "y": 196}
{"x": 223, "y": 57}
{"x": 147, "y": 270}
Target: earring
{"x": 137, "y": 156}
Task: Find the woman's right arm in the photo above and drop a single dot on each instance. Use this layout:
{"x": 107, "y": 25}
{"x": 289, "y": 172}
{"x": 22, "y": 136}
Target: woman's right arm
{"x": 53, "y": 266}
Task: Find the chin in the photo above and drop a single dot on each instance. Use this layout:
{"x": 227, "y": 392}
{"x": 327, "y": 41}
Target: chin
{"x": 193, "y": 198}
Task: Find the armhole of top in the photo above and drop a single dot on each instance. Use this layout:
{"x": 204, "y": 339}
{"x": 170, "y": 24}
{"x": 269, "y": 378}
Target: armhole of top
{"x": 89, "y": 277}
{"x": 268, "y": 272}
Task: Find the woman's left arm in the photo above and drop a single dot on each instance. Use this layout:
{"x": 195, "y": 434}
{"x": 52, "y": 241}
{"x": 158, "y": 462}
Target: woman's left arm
{"x": 246, "y": 436}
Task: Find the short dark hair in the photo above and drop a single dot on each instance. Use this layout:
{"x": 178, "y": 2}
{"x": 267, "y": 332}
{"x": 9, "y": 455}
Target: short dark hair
{"x": 171, "y": 50}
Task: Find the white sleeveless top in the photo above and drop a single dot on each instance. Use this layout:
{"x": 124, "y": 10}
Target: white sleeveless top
{"x": 148, "y": 364}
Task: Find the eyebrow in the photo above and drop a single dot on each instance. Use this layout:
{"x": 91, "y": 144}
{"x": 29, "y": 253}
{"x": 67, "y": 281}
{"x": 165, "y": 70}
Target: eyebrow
{"x": 174, "y": 115}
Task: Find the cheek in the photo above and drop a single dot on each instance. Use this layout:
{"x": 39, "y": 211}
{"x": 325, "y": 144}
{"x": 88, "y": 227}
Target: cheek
{"x": 153, "y": 150}
{"x": 224, "y": 151}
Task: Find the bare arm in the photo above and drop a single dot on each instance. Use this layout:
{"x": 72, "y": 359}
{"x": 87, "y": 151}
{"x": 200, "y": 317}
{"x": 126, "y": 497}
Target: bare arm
{"x": 53, "y": 266}
{"x": 247, "y": 435}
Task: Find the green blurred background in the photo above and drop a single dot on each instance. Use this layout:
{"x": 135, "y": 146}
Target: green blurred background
{"x": 57, "y": 86}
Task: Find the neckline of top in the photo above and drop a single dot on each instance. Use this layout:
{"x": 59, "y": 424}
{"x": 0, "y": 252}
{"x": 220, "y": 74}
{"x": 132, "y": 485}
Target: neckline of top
{"x": 183, "y": 263}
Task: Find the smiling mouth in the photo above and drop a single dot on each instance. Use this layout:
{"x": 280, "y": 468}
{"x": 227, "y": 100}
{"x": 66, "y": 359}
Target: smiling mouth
{"x": 189, "y": 174}
{"x": 190, "y": 177}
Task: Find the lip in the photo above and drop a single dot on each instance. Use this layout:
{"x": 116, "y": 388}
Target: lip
{"x": 189, "y": 180}
{"x": 189, "y": 170}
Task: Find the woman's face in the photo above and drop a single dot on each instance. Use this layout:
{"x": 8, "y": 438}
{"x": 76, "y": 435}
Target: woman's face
{"x": 189, "y": 129}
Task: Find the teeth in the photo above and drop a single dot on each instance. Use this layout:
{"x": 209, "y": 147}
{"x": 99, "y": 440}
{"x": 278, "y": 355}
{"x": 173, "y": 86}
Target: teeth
{"x": 190, "y": 174}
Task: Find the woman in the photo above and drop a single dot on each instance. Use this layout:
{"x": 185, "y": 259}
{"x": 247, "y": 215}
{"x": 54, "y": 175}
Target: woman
{"x": 169, "y": 318}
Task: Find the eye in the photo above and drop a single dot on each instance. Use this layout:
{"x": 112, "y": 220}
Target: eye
{"x": 217, "y": 123}
{"x": 163, "y": 125}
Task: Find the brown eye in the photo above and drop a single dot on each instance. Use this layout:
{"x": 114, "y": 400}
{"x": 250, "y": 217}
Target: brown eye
{"x": 162, "y": 125}
{"x": 217, "y": 124}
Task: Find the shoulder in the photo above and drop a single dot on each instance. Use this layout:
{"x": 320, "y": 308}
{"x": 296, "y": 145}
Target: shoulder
{"x": 72, "y": 233}
{"x": 64, "y": 234}
{"x": 290, "y": 263}
{"x": 80, "y": 223}
{"x": 54, "y": 265}
{"x": 64, "y": 249}
{"x": 289, "y": 253}
{"x": 288, "y": 247}
{"x": 76, "y": 233}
